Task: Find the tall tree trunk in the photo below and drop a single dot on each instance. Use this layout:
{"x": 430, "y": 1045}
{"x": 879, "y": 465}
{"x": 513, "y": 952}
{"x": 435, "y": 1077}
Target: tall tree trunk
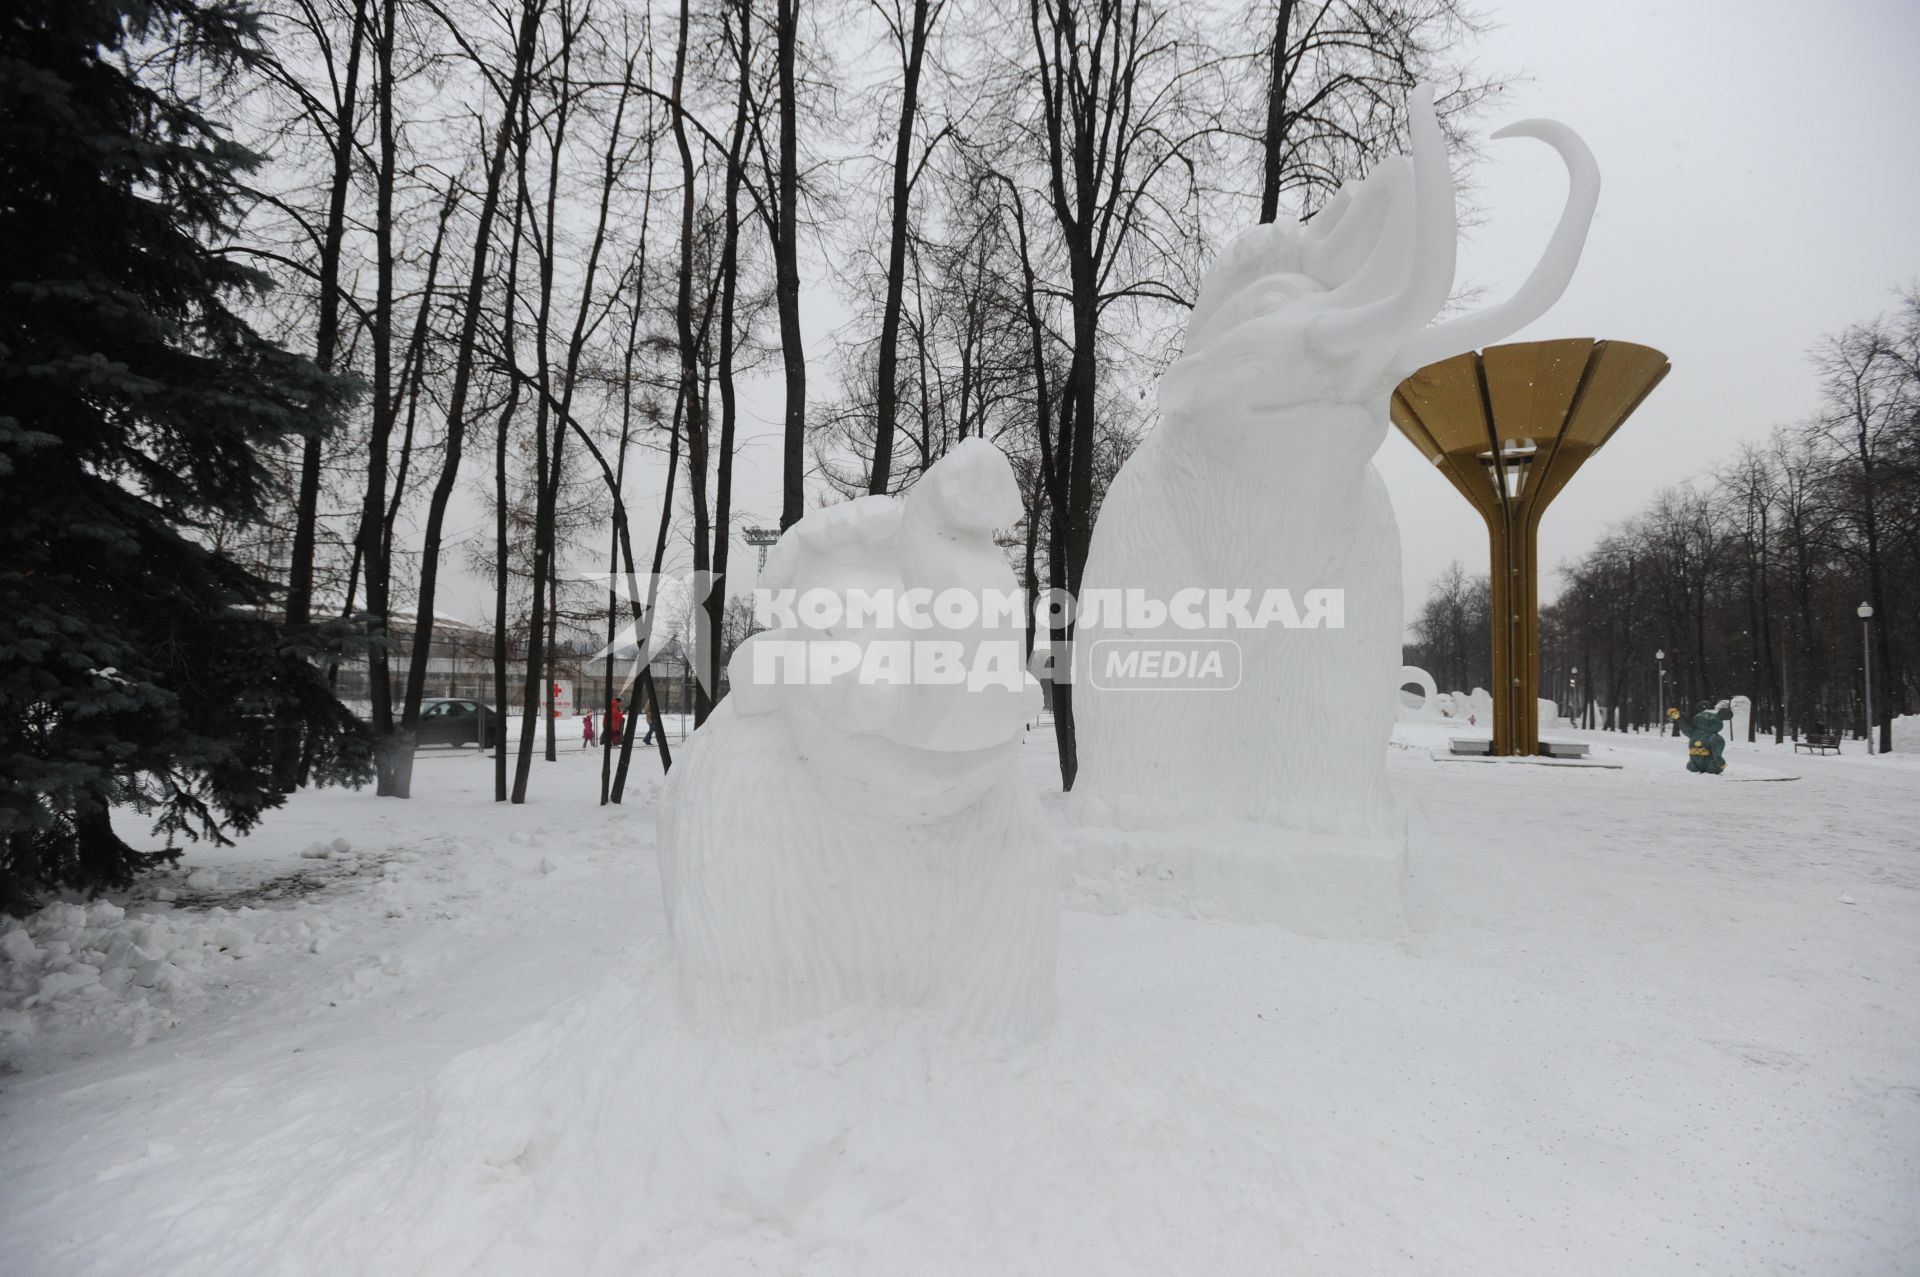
{"x": 1074, "y": 530}
{"x": 393, "y": 750}
{"x": 699, "y": 461}
{"x": 547, "y": 459}
{"x": 1888, "y": 681}
{"x": 457, "y": 397}
{"x": 1273, "y": 141}
{"x": 551, "y": 683}
{"x": 786, "y": 261}
{"x": 650, "y": 700}
{"x": 886, "y": 391}
{"x": 502, "y": 577}
{"x": 716, "y": 600}
{"x": 299, "y": 610}
{"x": 502, "y": 574}
{"x": 1064, "y": 542}
{"x": 691, "y": 413}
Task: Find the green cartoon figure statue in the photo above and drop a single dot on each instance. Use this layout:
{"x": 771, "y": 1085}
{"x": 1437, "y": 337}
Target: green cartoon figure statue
{"x": 1706, "y": 748}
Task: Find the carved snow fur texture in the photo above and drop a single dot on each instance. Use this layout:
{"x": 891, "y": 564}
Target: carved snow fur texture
{"x": 784, "y": 906}
{"x": 1301, "y": 742}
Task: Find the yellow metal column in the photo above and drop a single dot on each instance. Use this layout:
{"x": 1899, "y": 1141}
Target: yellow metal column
{"x": 1508, "y": 427}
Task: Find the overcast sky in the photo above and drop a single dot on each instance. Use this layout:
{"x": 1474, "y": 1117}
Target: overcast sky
{"x": 1759, "y": 189}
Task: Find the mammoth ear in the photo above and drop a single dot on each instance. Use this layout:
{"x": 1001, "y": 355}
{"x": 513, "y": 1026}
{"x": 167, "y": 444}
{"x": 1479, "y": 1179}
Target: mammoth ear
{"x": 1256, "y": 254}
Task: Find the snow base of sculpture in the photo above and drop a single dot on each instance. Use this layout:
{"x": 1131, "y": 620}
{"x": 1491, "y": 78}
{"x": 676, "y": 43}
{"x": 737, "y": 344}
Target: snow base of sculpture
{"x": 1328, "y": 886}
{"x": 784, "y": 907}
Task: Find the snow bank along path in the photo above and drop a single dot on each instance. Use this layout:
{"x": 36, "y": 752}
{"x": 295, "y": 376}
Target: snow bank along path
{"x": 1642, "y": 1023}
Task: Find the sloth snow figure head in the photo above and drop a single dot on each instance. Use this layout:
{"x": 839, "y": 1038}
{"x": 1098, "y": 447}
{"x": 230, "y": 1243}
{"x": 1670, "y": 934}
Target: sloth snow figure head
{"x": 850, "y": 840}
{"x": 903, "y": 737}
{"x": 1259, "y": 478}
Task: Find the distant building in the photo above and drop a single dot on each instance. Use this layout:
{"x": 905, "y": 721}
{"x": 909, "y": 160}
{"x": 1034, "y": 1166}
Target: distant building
{"x": 460, "y": 663}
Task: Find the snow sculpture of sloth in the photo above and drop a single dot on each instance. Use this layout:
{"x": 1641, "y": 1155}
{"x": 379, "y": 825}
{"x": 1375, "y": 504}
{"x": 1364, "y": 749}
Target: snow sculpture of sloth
{"x": 1259, "y": 476}
{"x": 830, "y": 844}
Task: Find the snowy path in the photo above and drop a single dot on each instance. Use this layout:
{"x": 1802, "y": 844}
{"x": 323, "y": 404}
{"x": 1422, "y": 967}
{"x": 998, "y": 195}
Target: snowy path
{"x": 1643, "y": 1022}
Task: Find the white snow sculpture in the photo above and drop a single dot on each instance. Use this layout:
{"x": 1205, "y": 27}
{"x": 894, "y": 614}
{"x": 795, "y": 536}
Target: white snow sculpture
{"x": 1430, "y": 708}
{"x": 1906, "y": 734}
{"x": 825, "y": 844}
{"x": 1742, "y": 719}
{"x": 1259, "y": 476}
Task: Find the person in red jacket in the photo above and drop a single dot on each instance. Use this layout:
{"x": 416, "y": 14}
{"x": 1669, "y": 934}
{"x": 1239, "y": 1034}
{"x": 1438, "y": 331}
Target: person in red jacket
{"x": 613, "y": 723}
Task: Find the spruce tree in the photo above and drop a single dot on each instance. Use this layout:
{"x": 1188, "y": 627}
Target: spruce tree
{"x": 139, "y": 667}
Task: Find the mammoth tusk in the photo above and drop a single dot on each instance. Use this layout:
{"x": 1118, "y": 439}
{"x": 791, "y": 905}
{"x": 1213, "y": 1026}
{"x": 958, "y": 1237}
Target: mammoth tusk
{"x": 1550, "y": 275}
{"x": 1431, "y": 278}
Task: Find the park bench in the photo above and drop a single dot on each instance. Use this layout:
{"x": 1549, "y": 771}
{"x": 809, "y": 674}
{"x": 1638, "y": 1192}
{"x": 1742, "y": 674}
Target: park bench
{"x": 1818, "y": 742}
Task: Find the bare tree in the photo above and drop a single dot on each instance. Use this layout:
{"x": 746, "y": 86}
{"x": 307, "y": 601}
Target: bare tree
{"x": 1870, "y": 402}
{"x": 1333, "y": 78}
{"x": 396, "y": 770}
{"x": 779, "y": 205}
{"x": 910, "y": 24}
{"x": 1120, "y": 129}
{"x": 333, "y": 118}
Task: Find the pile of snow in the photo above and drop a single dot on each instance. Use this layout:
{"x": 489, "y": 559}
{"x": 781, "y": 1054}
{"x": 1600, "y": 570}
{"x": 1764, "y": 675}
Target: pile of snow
{"x": 101, "y": 964}
{"x": 324, "y": 850}
{"x": 867, "y": 1142}
{"x": 1477, "y": 705}
{"x": 1906, "y": 734}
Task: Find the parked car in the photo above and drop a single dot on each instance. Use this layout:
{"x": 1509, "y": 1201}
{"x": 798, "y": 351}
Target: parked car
{"x": 455, "y": 722}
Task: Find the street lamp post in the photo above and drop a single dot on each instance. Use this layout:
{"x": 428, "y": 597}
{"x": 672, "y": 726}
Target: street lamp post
{"x": 1660, "y": 710}
{"x": 760, "y": 539}
{"x": 1865, "y": 613}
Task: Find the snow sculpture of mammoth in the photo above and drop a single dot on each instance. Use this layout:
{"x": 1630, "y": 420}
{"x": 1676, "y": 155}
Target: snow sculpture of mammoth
{"x": 1259, "y": 477}
{"x": 827, "y": 844}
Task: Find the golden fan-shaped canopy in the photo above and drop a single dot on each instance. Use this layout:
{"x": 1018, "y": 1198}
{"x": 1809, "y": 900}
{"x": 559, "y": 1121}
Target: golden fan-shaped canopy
{"x": 1510, "y": 425}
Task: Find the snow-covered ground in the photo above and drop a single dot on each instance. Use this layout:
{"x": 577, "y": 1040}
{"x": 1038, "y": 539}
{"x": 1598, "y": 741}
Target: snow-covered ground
{"x": 1641, "y": 1022}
